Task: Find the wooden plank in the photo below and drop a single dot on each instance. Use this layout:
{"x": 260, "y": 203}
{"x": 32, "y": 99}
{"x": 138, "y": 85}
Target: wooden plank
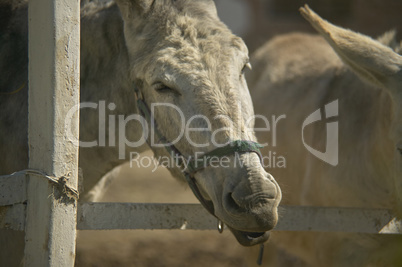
{"x": 328, "y": 219}
{"x": 54, "y": 28}
{"x": 108, "y": 216}
{"x": 12, "y": 189}
{"x": 101, "y": 216}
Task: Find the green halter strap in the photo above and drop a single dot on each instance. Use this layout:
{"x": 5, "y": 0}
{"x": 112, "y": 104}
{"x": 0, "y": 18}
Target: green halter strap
{"x": 234, "y": 147}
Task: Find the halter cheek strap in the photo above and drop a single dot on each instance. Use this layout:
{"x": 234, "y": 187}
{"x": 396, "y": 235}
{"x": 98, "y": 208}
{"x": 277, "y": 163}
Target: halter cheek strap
{"x": 196, "y": 164}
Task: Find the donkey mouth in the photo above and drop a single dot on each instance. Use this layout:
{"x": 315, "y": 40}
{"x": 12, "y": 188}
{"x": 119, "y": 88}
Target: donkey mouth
{"x": 250, "y": 238}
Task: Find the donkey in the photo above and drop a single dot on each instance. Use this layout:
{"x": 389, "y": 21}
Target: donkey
{"x": 177, "y": 58}
{"x": 354, "y": 87}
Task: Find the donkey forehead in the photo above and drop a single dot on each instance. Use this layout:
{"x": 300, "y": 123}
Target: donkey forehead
{"x": 188, "y": 33}
{"x": 197, "y": 51}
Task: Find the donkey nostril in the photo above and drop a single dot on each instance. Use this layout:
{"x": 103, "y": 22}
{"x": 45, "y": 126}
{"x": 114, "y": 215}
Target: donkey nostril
{"x": 231, "y": 203}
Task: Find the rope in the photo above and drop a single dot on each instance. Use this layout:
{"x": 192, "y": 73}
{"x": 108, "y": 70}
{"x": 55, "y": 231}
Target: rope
{"x": 260, "y": 255}
{"x": 67, "y": 191}
{"x": 15, "y": 91}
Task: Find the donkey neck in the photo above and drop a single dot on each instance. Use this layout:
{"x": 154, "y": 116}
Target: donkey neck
{"x": 107, "y": 93}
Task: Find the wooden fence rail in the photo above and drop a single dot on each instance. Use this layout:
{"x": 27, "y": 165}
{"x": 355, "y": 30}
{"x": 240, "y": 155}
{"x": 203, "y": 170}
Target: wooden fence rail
{"x": 109, "y": 216}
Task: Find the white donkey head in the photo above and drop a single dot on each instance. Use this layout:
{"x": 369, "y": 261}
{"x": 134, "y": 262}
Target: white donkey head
{"x": 188, "y": 69}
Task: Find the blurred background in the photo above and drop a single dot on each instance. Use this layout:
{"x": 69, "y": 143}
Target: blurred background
{"x": 256, "y": 21}
{"x": 259, "y": 20}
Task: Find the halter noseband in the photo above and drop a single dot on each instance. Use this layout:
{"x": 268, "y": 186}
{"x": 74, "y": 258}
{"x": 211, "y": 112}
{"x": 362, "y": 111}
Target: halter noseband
{"x": 196, "y": 164}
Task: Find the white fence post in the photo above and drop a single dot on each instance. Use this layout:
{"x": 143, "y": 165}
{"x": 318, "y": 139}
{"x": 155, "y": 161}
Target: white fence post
{"x": 54, "y": 28}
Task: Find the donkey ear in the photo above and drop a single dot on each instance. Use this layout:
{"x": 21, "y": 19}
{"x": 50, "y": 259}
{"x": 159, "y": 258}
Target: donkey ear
{"x": 134, "y": 8}
{"x": 371, "y": 60}
{"x": 197, "y": 7}
{"x": 388, "y": 39}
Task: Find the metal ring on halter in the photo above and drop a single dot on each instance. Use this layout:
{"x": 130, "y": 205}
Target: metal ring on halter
{"x": 221, "y": 226}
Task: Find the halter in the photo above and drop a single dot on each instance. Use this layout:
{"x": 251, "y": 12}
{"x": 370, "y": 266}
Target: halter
{"x": 196, "y": 164}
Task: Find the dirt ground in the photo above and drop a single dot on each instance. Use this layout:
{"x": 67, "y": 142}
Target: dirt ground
{"x": 159, "y": 247}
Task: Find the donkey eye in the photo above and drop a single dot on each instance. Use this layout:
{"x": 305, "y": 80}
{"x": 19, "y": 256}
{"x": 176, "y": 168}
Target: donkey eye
{"x": 161, "y": 88}
{"x": 164, "y": 89}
